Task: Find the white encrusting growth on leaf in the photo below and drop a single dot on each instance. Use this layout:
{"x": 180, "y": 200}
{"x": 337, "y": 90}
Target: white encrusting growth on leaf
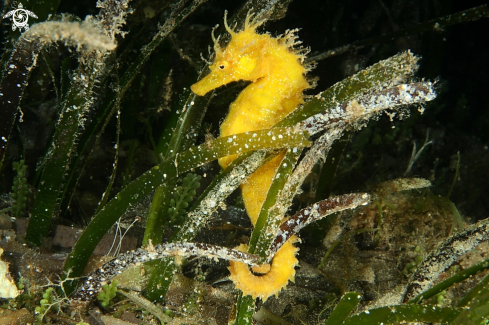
{"x": 358, "y": 111}
{"x": 313, "y": 213}
{"x": 75, "y": 34}
{"x": 444, "y": 256}
{"x": 199, "y": 217}
{"x": 350, "y": 113}
{"x": 112, "y": 17}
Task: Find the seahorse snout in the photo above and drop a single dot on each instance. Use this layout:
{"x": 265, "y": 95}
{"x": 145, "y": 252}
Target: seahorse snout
{"x": 210, "y": 82}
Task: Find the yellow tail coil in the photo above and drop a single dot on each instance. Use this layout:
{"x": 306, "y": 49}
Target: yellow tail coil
{"x": 277, "y": 76}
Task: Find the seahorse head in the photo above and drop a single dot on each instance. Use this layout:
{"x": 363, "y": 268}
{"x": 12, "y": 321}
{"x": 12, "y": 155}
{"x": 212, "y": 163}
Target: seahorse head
{"x": 240, "y": 60}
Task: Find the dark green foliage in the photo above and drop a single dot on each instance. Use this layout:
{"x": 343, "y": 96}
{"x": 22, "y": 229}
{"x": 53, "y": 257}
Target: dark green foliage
{"x": 345, "y": 306}
{"x": 132, "y": 154}
{"x": 183, "y": 195}
{"x": 474, "y": 311}
{"x": 19, "y": 189}
{"x": 24, "y": 58}
{"x": 162, "y": 173}
{"x": 403, "y": 313}
{"x": 459, "y": 277}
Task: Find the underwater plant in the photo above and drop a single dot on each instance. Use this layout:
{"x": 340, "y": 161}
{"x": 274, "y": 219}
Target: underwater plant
{"x": 273, "y": 140}
{"x": 280, "y": 256}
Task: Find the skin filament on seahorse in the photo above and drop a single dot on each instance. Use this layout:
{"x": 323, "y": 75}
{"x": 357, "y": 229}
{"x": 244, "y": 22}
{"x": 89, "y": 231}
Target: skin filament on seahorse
{"x": 277, "y": 78}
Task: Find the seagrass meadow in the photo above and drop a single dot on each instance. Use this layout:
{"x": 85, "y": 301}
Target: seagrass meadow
{"x": 244, "y": 162}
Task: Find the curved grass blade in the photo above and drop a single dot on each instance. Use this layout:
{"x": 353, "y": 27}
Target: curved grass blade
{"x": 445, "y": 284}
{"x": 476, "y": 304}
{"x": 143, "y": 185}
{"x": 245, "y": 308}
{"x": 194, "y": 109}
{"x": 474, "y": 292}
{"x": 227, "y": 181}
{"x": 389, "y": 72}
{"x": 343, "y": 309}
{"x": 403, "y": 314}
{"x": 259, "y": 243}
{"x": 105, "y": 112}
{"x": 444, "y": 255}
{"x": 71, "y": 117}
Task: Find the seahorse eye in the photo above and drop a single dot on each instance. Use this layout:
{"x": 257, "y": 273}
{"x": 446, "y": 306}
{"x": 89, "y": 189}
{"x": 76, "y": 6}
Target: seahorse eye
{"x": 222, "y": 65}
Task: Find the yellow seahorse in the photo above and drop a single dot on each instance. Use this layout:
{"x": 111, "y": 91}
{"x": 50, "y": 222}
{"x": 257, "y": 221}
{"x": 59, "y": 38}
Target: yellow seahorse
{"x": 278, "y": 79}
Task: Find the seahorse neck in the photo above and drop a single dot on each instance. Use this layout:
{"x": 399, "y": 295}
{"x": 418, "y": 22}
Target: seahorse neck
{"x": 283, "y": 73}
